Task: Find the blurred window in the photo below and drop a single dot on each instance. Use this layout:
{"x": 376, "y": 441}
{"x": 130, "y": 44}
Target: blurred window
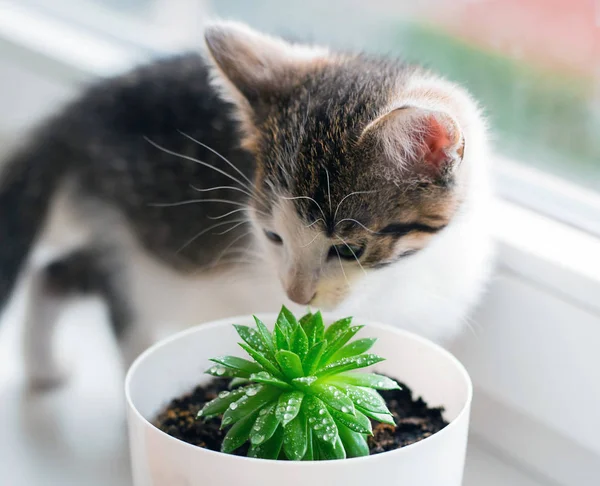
{"x": 533, "y": 64}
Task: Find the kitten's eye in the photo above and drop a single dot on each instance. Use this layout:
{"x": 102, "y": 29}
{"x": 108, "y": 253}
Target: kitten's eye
{"x": 274, "y": 237}
{"x": 347, "y": 252}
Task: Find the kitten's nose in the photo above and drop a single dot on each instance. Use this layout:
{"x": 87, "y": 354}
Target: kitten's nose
{"x": 301, "y": 295}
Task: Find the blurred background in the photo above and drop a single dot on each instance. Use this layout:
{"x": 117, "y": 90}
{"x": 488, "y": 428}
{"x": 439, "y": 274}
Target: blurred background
{"x": 532, "y": 348}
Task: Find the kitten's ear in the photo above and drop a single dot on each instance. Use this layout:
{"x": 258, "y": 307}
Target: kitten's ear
{"x": 426, "y": 142}
{"x": 253, "y": 63}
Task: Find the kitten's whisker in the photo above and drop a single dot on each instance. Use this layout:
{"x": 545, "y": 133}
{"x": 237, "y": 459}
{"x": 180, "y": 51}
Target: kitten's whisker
{"x": 358, "y": 223}
{"x": 342, "y": 266}
{"x": 197, "y": 161}
{"x": 314, "y": 222}
{"x": 352, "y": 251}
{"x": 346, "y": 197}
{"x": 233, "y": 242}
{"x": 233, "y": 227}
{"x": 233, "y": 188}
{"x": 247, "y": 251}
{"x": 310, "y": 199}
{"x": 216, "y": 188}
{"x": 311, "y": 241}
{"x": 226, "y": 160}
{"x": 194, "y": 201}
{"x": 239, "y": 210}
{"x": 206, "y": 230}
{"x": 235, "y": 211}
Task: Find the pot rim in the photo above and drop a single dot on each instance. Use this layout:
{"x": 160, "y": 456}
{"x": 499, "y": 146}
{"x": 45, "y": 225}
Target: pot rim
{"x": 295, "y": 464}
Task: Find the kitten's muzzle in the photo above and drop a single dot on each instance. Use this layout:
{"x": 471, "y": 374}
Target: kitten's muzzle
{"x": 301, "y": 295}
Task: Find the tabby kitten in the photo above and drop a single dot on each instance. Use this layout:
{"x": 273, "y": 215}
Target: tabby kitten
{"x": 262, "y": 173}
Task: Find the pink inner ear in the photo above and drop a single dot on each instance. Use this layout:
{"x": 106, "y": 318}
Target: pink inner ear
{"x": 436, "y": 142}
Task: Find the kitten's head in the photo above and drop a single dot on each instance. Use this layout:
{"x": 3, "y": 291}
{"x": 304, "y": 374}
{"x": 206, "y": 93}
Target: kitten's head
{"x": 358, "y": 158}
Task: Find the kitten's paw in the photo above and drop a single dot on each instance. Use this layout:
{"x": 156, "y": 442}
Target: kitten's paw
{"x": 47, "y": 379}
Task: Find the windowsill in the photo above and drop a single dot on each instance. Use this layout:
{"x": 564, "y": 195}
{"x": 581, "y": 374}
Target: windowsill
{"x": 553, "y": 255}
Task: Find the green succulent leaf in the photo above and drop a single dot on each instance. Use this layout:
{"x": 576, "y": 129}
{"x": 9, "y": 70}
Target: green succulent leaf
{"x": 254, "y": 339}
{"x": 354, "y": 443}
{"x": 254, "y": 398}
{"x": 347, "y": 364}
{"x": 283, "y": 323}
{"x": 304, "y": 382}
{"x": 342, "y": 339}
{"x": 299, "y": 342}
{"x": 288, "y": 406}
{"x": 355, "y": 348}
{"x": 265, "y": 425}
{"x": 267, "y": 378}
{"x": 290, "y": 317}
{"x": 295, "y": 439}
{"x": 338, "y": 328}
{"x": 321, "y": 422}
{"x": 328, "y": 452}
{"x": 370, "y": 380}
{"x": 269, "y": 449}
{"x": 367, "y": 399}
{"x": 385, "y": 418}
{"x": 314, "y": 328}
{"x": 357, "y": 422}
{"x": 241, "y": 365}
{"x": 265, "y": 334}
{"x": 313, "y": 357}
{"x": 237, "y": 382}
{"x": 305, "y": 318}
{"x": 310, "y": 452}
{"x": 263, "y": 361}
{"x": 290, "y": 364}
{"x": 224, "y": 372}
{"x": 282, "y": 340}
{"x": 238, "y": 434}
{"x": 334, "y": 398}
{"x": 221, "y": 403}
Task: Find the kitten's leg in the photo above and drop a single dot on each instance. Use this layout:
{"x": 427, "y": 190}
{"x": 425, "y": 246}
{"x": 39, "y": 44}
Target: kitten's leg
{"x": 108, "y": 278}
{"x": 43, "y": 311}
{"x": 79, "y": 273}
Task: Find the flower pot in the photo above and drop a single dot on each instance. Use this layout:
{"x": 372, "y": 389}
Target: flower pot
{"x": 176, "y": 365}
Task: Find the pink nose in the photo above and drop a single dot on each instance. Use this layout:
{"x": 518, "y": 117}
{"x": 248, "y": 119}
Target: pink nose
{"x": 301, "y": 294}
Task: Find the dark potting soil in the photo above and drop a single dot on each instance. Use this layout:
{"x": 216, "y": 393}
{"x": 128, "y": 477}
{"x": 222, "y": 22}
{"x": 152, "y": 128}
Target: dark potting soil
{"x": 414, "y": 420}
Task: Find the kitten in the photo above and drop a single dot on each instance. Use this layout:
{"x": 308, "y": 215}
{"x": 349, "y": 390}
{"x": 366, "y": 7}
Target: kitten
{"x": 261, "y": 174}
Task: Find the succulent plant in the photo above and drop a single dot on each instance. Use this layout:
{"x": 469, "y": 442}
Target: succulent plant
{"x": 299, "y": 398}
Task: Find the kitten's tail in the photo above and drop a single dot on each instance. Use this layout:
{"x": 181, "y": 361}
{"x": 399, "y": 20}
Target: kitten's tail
{"x": 27, "y": 182}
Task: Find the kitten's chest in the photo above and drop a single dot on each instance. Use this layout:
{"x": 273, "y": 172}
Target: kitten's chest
{"x": 171, "y": 301}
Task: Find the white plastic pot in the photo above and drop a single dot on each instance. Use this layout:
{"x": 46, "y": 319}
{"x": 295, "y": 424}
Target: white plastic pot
{"x": 176, "y": 365}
